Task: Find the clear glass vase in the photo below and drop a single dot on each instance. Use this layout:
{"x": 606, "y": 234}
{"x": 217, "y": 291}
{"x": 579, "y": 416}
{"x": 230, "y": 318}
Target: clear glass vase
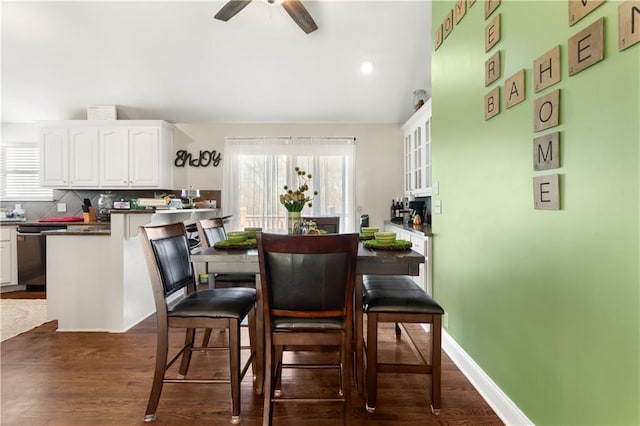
{"x": 294, "y": 220}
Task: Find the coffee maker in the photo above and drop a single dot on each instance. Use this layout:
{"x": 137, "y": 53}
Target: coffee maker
{"x": 416, "y": 208}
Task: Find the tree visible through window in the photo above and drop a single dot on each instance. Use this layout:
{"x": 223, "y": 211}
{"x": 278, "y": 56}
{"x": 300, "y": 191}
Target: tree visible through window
{"x": 257, "y": 169}
{"x": 20, "y": 173}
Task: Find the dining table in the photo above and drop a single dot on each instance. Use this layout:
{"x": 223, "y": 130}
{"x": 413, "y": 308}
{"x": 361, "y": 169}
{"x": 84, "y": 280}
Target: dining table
{"x": 370, "y": 262}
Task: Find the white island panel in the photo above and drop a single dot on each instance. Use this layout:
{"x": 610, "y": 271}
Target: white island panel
{"x": 81, "y": 285}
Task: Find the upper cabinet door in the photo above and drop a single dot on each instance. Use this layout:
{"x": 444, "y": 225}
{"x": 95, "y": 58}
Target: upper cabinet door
{"x": 427, "y": 151}
{"x": 144, "y": 156}
{"x": 54, "y": 157}
{"x": 114, "y": 157}
{"x": 417, "y": 151}
{"x": 408, "y": 158}
{"x": 83, "y": 157}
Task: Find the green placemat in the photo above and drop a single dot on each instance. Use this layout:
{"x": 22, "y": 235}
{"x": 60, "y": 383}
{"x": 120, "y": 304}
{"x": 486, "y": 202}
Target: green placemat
{"x": 226, "y": 244}
{"x": 388, "y": 245}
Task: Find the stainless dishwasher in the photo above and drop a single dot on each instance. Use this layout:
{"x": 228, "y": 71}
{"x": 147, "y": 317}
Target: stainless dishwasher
{"x": 32, "y": 253}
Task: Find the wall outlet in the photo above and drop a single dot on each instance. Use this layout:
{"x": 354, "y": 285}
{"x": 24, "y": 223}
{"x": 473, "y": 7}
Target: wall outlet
{"x": 445, "y": 320}
{"x": 62, "y": 207}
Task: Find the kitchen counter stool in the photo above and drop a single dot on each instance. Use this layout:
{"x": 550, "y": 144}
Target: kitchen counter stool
{"x": 167, "y": 255}
{"x": 210, "y": 231}
{"x": 398, "y": 299}
{"x": 307, "y": 285}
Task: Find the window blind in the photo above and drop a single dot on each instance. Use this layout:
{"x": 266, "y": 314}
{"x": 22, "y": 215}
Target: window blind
{"x": 20, "y": 173}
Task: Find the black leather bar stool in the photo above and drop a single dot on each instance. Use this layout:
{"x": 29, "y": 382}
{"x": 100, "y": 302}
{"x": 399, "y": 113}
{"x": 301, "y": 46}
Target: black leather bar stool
{"x": 166, "y": 252}
{"x": 398, "y": 299}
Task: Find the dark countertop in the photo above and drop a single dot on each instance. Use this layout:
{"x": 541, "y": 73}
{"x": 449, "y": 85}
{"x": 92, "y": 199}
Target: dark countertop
{"x": 136, "y": 211}
{"x": 421, "y": 230}
{"x": 80, "y": 230}
{"x": 30, "y": 223}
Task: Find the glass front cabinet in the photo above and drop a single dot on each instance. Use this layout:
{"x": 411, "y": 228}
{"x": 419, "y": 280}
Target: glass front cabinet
{"x": 417, "y": 152}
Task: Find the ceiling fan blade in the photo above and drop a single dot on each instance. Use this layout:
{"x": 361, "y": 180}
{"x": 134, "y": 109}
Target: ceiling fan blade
{"x": 299, "y": 13}
{"x": 230, "y": 9}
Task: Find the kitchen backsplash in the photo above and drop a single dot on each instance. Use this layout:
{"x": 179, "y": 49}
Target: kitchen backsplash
{"x": 35, "y": 210}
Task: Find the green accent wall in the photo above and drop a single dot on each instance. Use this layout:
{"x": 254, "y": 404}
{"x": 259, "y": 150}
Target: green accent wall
{"x": 546, "y": 302}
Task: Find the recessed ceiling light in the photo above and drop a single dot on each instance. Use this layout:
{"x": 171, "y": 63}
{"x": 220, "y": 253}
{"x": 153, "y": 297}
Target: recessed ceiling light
{"x": 366, "y": 67}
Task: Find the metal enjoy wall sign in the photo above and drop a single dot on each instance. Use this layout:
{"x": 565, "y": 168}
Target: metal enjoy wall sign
{"x": 203, "y": 158}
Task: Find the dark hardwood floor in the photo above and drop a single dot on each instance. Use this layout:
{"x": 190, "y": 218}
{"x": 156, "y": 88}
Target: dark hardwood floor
{"x": 51, "y": 378}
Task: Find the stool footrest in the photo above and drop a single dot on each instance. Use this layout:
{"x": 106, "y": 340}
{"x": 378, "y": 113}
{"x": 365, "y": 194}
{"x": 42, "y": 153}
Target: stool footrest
{"x": 404, "y": 368}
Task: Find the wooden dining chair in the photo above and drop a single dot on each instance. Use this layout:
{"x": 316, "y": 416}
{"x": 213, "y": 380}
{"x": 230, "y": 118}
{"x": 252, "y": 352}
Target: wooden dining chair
{"x": 331, "y": 224}
{"x": 210, "y": 231}
{"x": 166, "y": 251}
{"x": 307, "y": 285}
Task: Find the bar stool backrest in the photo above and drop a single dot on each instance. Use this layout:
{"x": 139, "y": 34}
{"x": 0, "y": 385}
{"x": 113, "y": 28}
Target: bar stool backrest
{"x": 211, "y": 231}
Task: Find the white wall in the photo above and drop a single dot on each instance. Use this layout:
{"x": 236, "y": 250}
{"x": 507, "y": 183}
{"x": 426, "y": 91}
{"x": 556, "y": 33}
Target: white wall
{"x": 19, "y": 132}
{"x": 379, "y": 156}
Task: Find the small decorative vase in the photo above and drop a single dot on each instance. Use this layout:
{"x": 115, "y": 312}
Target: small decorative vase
{"x": 294, "y": 220}
{"x": 419, "y": 98}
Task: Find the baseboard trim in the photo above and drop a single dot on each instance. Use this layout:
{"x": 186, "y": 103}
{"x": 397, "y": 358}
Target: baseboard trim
{"x": 504, "y": 408}
{"x": 12, "y": 287}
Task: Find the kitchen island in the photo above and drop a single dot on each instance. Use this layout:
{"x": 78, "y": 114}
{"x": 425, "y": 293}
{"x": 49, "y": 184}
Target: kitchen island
{"x": 97, "y": 278}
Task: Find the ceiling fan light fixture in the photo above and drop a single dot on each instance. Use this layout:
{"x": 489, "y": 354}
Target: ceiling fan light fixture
{"x": 294, "y": 8}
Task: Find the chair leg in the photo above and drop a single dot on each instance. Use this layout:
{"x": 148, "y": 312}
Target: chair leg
{"x": 158, "y": 375}
{"x": 211, "y": 280}
{"x": 206, "y": 337}
{"x": 398, "y": 330}
{"x": 372, "y": 362}
{"x": 189, "y": 338}
{"x": 359, "y": 344}
{"x": 252, "y": 342}
{"x": 278, "y": 351}
{"x": 234, "y": 363}
{"x": 267, "y": 414}
{"x": 346, "y": 378}
{"x": 260, "y": 342}
{"x": 436, "y": 363}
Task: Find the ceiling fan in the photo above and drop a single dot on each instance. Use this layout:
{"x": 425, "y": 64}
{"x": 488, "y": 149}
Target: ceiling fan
{"x": 294, "y": 8}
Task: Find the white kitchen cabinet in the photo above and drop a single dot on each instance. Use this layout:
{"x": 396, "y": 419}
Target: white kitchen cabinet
{"x": 110, "y": 155}
{"x": 144, "y": 157}
{"x": 114, "y": 157}
{"x": 8, "y": 256}
{"x": 136, "y": 157}
{"x": 417, "y": 153}
{"x": 83, "y": 158}
{"x": 69, "y": 157}
{"x": 54, "y": 157}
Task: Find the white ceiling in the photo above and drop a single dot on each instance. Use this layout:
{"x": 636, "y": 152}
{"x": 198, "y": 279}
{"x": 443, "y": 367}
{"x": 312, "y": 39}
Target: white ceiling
{"x": 173, "y": 61}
